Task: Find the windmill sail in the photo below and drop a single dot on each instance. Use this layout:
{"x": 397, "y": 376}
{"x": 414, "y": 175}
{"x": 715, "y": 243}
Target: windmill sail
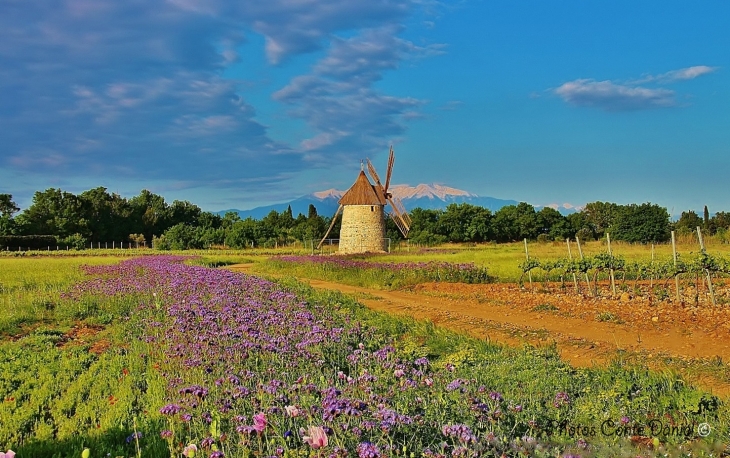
{"x": 332, "y": 224}
{"x": 389, "y": 171}
{"x": 374, "y": 174}
{"x": 400, "y": 216}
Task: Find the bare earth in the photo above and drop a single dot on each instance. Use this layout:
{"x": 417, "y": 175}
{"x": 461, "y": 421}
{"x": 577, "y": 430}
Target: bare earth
{"x": 515, "y": 316}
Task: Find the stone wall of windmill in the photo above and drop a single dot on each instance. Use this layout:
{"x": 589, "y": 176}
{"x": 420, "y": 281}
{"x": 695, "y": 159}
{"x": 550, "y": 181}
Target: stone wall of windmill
{"x": 363, "y": 229}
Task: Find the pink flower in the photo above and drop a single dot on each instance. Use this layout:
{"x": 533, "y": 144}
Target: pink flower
{"x": 8, "y": 454}
{"x": 190, "y": 450}
{"x": 428, "y": 382}
{"x": 316, "y": 437}
{"x": 399, "y": 373}
{"x": 292, "y": 411}
{"x": 259, "y": 422}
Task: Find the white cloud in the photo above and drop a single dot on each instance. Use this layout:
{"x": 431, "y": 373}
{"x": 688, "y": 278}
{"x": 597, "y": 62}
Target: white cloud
{"x": 614, "y": 97}
{"x": 688, "y": 73}
{"x": 338, "y": 101}
{"x": 630, "y": 95}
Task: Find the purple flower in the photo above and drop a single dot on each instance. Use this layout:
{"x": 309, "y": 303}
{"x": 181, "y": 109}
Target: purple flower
{"x": 166, "y": 434}
{"x": 134, "y": 436}
{"x": 368, "y": 450}
{"x": 561, "y": 399}
{"x": 170, "y": 409}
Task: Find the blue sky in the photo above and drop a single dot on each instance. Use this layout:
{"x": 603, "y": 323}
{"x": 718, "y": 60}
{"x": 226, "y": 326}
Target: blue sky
{"x": 238, "y": 104}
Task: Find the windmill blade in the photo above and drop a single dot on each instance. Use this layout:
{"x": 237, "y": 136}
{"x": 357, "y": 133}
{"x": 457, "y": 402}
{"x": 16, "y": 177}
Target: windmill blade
{"x": 389, "y": 171}
{"x": 373, "y": 173}
{"x": 332, "y": 224}
{"x": 396, "y": 203}
{"x": 400, "y": 217}
{"x": 399, "y": 224}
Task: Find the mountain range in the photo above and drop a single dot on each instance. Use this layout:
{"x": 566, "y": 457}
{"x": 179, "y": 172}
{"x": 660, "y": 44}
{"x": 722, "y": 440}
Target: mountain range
{"x": 433, "y": 196}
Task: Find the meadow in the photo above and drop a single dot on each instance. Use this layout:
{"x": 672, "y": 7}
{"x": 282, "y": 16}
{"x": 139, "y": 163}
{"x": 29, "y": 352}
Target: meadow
{"x": 162, "y": 356}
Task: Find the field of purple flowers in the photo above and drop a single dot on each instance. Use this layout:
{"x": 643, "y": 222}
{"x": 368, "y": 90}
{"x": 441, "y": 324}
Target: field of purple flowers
{"x": 225, "y": 364}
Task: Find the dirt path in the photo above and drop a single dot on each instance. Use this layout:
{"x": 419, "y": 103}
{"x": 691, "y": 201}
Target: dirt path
{"x": 507, "y": 314}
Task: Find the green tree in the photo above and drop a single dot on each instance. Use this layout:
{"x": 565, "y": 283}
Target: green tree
{"x": 311, "y": 211}
{"x": 7, "y": 209}
{"x": 553, "y": 224}
{"x": 643, "y": 223}
{"x": 183, "y": 212}
{"x": 151, "y": 212}
{"x": 54, "y": 212}
{"x": 600, "y": 216}
{"x": 465, "y": 223}
{"x": 720, "y": 220}
{"x": 425, "y": 226}
{"x": 578, "y": 222}
{"x": 688, "y": 222}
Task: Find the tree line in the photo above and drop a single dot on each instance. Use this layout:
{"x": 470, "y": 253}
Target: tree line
{"x": 97, "y": 216}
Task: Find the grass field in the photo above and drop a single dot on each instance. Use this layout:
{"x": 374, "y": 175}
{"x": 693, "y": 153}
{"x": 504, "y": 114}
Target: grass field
{"x": 109, "y": 367}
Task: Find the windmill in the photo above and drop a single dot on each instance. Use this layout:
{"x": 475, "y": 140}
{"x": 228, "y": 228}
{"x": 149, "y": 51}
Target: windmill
{"x": 363, "y": 212}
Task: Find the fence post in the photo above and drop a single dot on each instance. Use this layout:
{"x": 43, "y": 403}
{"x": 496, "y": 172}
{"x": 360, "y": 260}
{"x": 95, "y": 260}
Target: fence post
{"x": 580, "y": 252}
{"x": 676, "y": 275}
{"x": 610, "y": 270}
{"x": 570, "y": 257}
{"x": 707, "y": 271}
{"x": 527, "y": 257}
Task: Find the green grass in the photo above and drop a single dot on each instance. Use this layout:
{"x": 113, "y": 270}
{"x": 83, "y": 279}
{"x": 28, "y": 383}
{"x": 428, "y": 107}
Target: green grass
{"x": 57, "y": 397}
{"x": 30, "y": 291}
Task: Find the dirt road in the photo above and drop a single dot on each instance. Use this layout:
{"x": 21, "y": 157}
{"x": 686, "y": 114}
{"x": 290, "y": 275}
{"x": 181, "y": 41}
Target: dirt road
{"x": 586, "y": 331}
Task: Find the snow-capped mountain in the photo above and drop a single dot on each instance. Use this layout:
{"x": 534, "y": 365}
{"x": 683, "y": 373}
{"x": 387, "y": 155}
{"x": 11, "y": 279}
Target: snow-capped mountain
{"x": 428, "y": 196}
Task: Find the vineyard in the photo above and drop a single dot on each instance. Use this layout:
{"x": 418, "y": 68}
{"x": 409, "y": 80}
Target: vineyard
{"x": 645, "y": 277}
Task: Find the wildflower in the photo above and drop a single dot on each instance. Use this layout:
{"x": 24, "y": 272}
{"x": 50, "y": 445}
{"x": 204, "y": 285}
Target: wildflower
{"x": 292, "y": 411}
{"x": 368, "y": 450}
{"x": 399, "y": 373}
{"x": 259, "y": 422}
{"x": 560, "y": 399}
{"x": 625, "y": 420}
{"x": 166, "y": 434}
{"x": 316, "y": 437}
{"x": 428, "y": 382}
{"x": 84, "y": 454}
{"x": 495, "y": 396}
{"x": 217, "y": 454}
{"x": 189, "y": 450}
{"x": 134, "y": 436}
{"x": 170, "y": 409}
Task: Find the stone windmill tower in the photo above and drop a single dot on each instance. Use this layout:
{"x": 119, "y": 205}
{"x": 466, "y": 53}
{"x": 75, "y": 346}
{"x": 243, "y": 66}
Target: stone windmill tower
{"x": 363, "y": 213}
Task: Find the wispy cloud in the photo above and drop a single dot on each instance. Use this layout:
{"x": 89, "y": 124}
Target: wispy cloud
{"x": 682, "y": 74}
{"x": 339, "y": 103}
{"x": 688, "y": 73}
{"x": 631, "y": 95}
{"x": 614, "y": 97}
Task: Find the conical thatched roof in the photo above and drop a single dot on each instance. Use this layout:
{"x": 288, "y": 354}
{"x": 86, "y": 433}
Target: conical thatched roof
{"x": 363, "y": 193}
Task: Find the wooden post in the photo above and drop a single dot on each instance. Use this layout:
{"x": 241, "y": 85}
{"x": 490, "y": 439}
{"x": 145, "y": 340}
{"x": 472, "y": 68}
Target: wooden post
{"x": 570, "y": 257}
{"x": 707, "y": 271}
{"x": 651, "y": 273}
{"x": 527, "y": 257}
{"x": 610, "y": 270}
{"x": 676, "y": 277}
{"x": 580, "y": 252}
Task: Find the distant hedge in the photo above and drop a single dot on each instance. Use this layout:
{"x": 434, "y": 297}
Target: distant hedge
{"x": 24, "y": 242}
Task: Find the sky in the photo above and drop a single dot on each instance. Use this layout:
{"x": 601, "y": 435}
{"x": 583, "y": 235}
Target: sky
{"x": 236, "y": 104}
